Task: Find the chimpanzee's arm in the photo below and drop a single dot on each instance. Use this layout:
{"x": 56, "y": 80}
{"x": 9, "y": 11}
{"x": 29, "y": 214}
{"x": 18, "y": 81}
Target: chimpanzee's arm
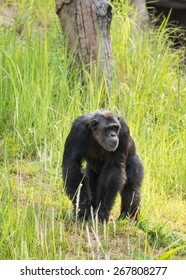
{"x": 130, "y": 195}
{"x": 75, "y": 147}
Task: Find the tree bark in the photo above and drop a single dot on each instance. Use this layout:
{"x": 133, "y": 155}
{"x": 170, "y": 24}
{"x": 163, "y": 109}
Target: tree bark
{"x": 86, "y": 23}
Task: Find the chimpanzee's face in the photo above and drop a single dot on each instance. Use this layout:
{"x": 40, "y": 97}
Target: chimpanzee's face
{"x": 106, "y": 130}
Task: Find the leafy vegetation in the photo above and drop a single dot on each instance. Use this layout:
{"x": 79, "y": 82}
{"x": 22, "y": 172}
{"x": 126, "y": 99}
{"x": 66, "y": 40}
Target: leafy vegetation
{"x": 41, "y": 94}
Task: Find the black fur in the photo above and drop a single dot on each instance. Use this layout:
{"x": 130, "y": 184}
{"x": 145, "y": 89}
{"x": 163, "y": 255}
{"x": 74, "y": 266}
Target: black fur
{"x": 103, "y": 140}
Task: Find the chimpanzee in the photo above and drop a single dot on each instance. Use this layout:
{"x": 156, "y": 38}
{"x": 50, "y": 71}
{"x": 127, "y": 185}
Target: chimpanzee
{"x": 103, "y": 140}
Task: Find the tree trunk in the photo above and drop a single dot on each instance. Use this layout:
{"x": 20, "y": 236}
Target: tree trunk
{"x": 142, "y": 13}
{"x": 86, "y": 23}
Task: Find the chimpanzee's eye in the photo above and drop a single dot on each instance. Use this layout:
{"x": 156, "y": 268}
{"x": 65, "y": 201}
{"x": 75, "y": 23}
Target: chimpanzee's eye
{"x": 113, "y": 127}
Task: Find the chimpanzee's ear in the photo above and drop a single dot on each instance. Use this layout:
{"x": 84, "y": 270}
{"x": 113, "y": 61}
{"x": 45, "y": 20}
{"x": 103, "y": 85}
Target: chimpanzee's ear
{"x": 118, "y": 117}
{"x": 94, "y": 123}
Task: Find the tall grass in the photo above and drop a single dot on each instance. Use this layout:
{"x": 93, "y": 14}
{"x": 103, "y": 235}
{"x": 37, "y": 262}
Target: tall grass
{"x": 41, "y": 94}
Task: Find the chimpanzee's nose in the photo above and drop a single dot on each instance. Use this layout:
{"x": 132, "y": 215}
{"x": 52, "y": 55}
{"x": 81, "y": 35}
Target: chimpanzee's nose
{"x": 113, "y": 134}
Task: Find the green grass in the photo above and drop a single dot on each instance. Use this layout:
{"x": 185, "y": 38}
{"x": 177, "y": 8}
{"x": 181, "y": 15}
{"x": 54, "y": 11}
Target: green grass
{"x": 41, "y": 94}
